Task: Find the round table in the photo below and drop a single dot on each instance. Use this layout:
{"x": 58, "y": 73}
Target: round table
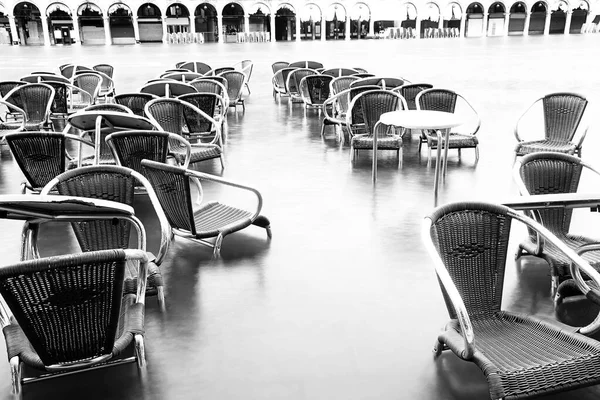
{"x": 421, "y": 119}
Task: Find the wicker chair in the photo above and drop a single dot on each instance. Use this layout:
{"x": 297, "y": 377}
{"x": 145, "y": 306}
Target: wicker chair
{"x": 358, "y": 123}
{"x": 235, "y": 84}
{"x": 292, "y": 83}
{"x": 553, "y": 173}
{"x": 207, "y": 85}
{"x": 131, "y": 147}
{"x": 108, "y": 107}
{"x": 337, "y": 72}
{"x": 315, "y": 89}
{"x": 279, "y": 80}
{"x": 306, "y": 64}
{"x": 276, "y": 66}
{"x": 246, "y": 67}
{"x": 335, "y": 109}
{"x": 17, "y": 114}
{"x": 520, "y": 355}
{"x": 90, "y": 82}
{"x": 446, "y": 100}
{"x": 410, "y": 92}
{"x": 180, "y": 117}
{"x": 167, "y": 88}
{"x": 186, "y": 76}
{"x": 373, "y": 103}
{"x": 195, "y": 66}
{"x": 208, "y": 220}
{"x": 212, "y": 104}
{"x": 562, "y": 115}
{"x": 115, "y": 183}
{"x": 68, "y": 313}
{"x": 136, "y": 102}
{"x": 41, "y": 156}
{"x": 35, "y": 101}
{"x": 70, "y": 70}
{"x": 107, "y": 69}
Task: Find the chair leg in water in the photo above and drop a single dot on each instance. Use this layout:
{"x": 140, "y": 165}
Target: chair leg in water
{"x": 263, "y": 222}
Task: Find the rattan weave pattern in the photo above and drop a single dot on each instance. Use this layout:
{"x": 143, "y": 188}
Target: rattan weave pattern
{"x": 215, "y": 217}
{"x": 562, "y": 114}
{"x": 135, "y": 101}
{"x": 410, "y": 92}
{"x": 235, "y": 84}
{"x": 134, "y": 146}
{"x": 317, "y": 87}
{"x": 545, "y": 145}
{"x": 35, "y": 99}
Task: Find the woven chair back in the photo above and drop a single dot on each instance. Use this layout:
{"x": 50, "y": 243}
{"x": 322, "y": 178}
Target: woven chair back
{"x": 196, "y": 66}
{"x": 317, "y": 88}
{"x": 219, "y": 71}
{"x": 106, "y": 182}
{"x": 209, "y": 86}
{"x": 131, "y": 147}
{"x": 67, "y": 306}
{"x": 306, "y": 64}
{"x": 562, "y": 115}
{"x": 276, "y": 66}
{"x": 377, "y": 102}
{"x": 294, "y": 78}
{"x": 341, "y": 83}
{"x": 472, "y": 241}
{"x": 281, "y": 77}
{"x": 41, "y": 156}
{"x": 168, "y": 114}
{"x": 206, "y": 102}
{"x": 35, "y": 99}
{"x": 109, "y": 107}
{"x": 182, "y": 76}
{"x": 410, "y": 92}
{"x": 135, "y": 101}
{"x": 235, "y": 84}
{"x": 219, "y": 79}
{"x": 437, "y": 100}
{"x": 105, "y": 69}
{"x": 60, "y": 105}
{"x": 552, "y": 173}
{"x": 172, "y": 187}
{"x": 89, "y": 82}
{"x": 7, "y": 86}
{"x": 383, "y": 82}
{"x": 357, "y": 114}
{"x": 246, "y": 66}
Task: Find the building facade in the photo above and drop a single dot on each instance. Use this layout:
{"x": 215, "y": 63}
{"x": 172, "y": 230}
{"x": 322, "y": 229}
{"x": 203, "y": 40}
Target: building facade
{"x": 42, "y": 22}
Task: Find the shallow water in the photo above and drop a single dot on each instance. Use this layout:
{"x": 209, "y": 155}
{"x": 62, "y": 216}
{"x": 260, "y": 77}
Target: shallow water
{"x": 342, "y": 303}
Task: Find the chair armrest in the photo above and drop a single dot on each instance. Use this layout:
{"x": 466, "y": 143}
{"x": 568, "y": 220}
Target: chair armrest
{"x": 142, "y": 257}
{"x": 13, "y": 108}
{"x": 213, "y": 178}
{"x": 474, "y": 112}
{"x": 580, "y": 142}
{"x": 578, "y": 264}
{"x": 452, "y": 292}
{"x": 332, "y": 101}
{"x": 516, "y": 131}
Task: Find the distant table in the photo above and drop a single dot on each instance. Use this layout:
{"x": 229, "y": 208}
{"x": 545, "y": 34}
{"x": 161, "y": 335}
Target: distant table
{"x": 168, "y": 88}
{"x": 562, "y": 200}
{"x": 421, "y": 119}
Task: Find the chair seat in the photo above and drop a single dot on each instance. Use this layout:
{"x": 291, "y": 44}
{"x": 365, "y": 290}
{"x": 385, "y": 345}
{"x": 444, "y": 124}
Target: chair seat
{"x": 214, "y": 218}
{"x": 199, "y": 154}
{"x": 545, "y": 145}
{"x": 455, "y": 141}
{"x": 557, "y": 260}
{"x": 153, "y": 281}
{"x": 525, "y": 356}
{"x": 383, "y": 143}
{"x": 131, "y": 321}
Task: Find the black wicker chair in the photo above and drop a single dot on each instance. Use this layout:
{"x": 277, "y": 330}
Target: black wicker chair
{"x": 520, "y": 355}
{"x": 315, "y": 89}
{"x": 68, "y": 313}
{"x": 136, "y": 102}
{"x": 35, "y": 100}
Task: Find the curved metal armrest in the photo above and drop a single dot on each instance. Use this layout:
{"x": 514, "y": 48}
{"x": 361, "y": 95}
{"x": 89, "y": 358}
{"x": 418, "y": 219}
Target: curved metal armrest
{"x": 142, "y": 257}
{"x": 578, "y": 265}
{"x": 521, "y": 117}
{"x": 86, "y": 96}
{"x": 213, "y": 178}
{"x": 216, "y": 124}
{"x": 580, "y": 142}
{"x": 332, "y": 101}
{"x": 452, "y": 292}
{"x": 474, "y": 112}
{"x": 13, "y": 108}
{"x": 185, "y": 143}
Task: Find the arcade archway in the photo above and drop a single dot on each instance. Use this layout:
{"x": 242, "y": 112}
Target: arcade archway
{"x": 91, "y": 24}
{"x": 60, "y": 24}
{"x": 285, "y": 23}
{"x": 150, "y": 23}
{"x": 516, "y": 21}
{"x": 29, "y": 23}
{"x": 474, "y": 23}
{"x": 121, "y": 24}
{"x": 205, "y": 18}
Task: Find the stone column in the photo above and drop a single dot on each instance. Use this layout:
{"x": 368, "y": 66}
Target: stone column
{"x": 45, "y": 31}
{"x": 371, "y": 27}
{"x": 547, "y": 23}
{"x": 358, "y": 30}
{"x": 77, "y": 36}
{"x": 136, "y": 29}
{"x": 506, "y": 22}
{"x": 463, "y": 25}
{"x": 192, "y": 24}
{"x": 107, "y": 38}
{"x": 527, "y": 21}
{"x": 568, "y": 22}
{"x": 312, "y": 29}
{"x": 323, "y": 27}
{"x": 418, "y": 28}
{"x": 13, "y": 30}
{"x": 347, "y": 28}
{"x": 486, "y": 19}
{"x": 220, "y": 28}
{"x": 246, "y": 23}
{"x": 165, "y": 30}
{"x": 298, "y": 25}
{"x": 272, "y": 22}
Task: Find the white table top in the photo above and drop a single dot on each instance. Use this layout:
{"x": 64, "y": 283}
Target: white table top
{"x": 421, "y": 119}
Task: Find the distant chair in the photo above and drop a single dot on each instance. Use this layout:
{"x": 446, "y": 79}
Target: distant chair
{"x": 196, "y": 220}
{"x": 292, "y": 83}
{"x": 186, "y": 77}
{"x": 276, "y": 66}
{"x": 211, "y": 104}
{"x": 68, "y": 313}
{"x": 468, "y": 244}
{"x": 553, "y": 173}
{"x": 90, "y": 82}
{"x": 195, "y": 66}
{"x": 447, "y": 100}
{"x": 34, "y": 102}
{"x": 336, "y": 72}
{"x": 245, "y": 66}
{"x": 235, "y": 83}
{"x": 386, "y": 83}
{"x": 373, "y": 104}
{"x": 167, "y": 88}
{"x": 135, "y": 101}
{"x": 279, "y": 81}
{"x": 410, "y": 92}
{"x": 306, "y": 64}
{"x": 562, "y": 113}
{"x": 314, "y": 90}
{"x": 180, "y": 117}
